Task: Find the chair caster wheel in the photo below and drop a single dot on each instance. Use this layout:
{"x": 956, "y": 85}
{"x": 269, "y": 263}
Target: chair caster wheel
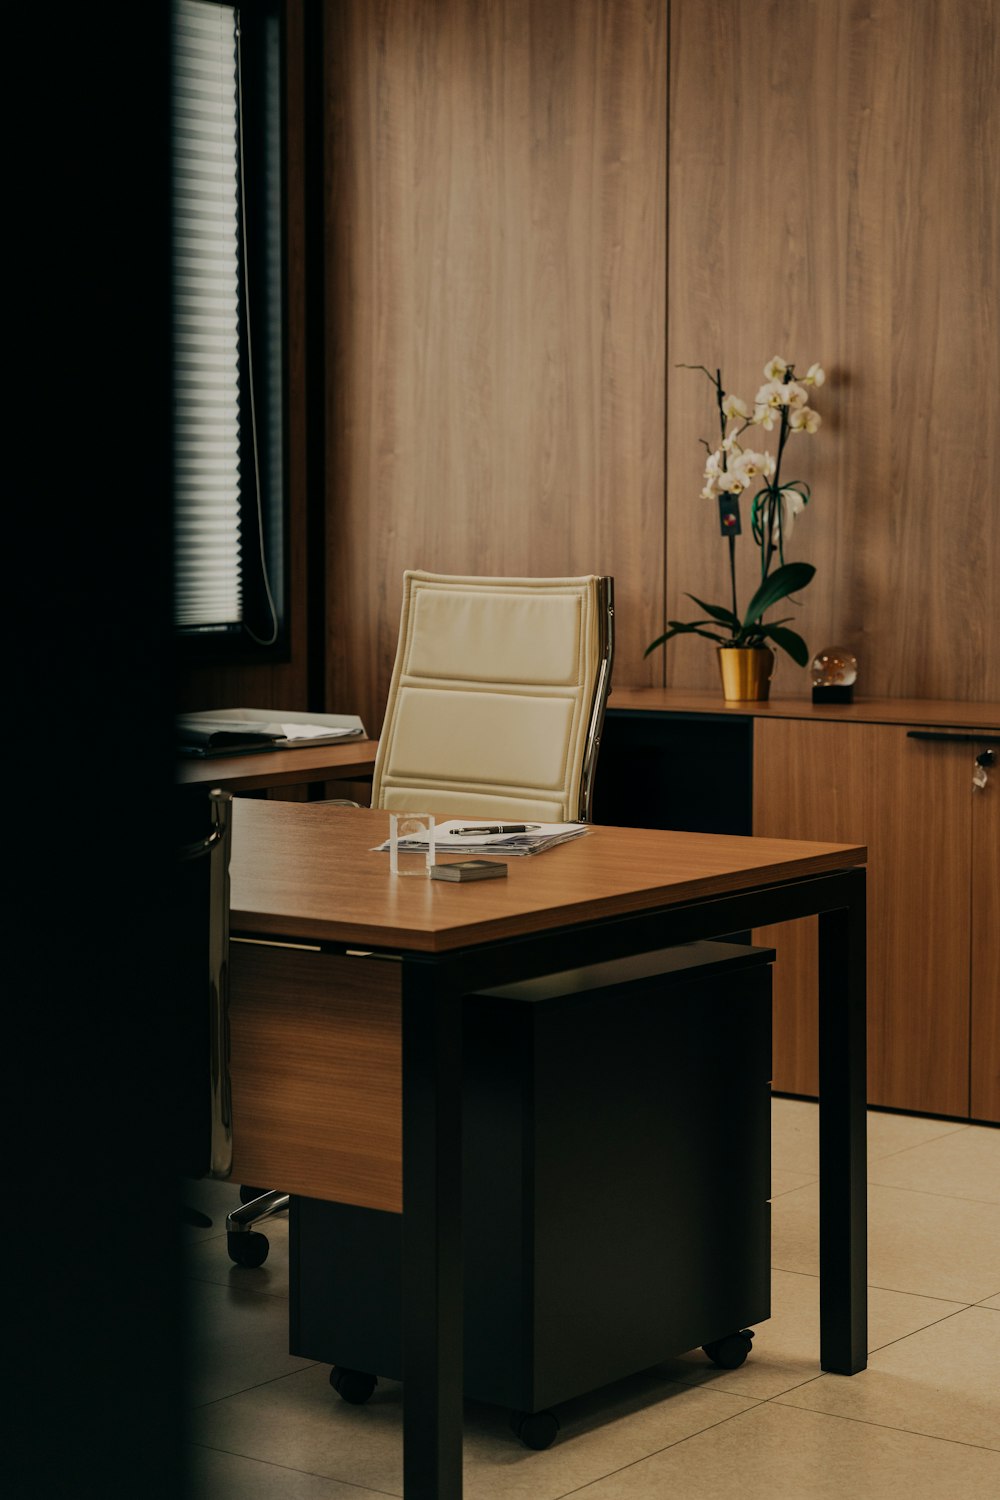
{"x": 730, "y": 1352}
{"x": 536, "y": 1429}
{"x": 354, "y": 1386}
{"x": 247, "y": 1249}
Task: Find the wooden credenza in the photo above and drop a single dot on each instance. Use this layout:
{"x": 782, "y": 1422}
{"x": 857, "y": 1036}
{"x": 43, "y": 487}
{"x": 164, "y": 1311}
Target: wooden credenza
{"x": 893, "y": 774}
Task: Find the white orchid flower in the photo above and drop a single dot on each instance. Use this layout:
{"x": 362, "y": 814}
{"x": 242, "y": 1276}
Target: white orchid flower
{"x": 804, "y": 419}
{"x": 791, "y": 503}
{"x": 751, "y": 465}
{"x": 793, "y": 394}
{"x": 730, "y": 445}
{"x": 776, "y": 367}
{"x": 771, "y": 394}
{"x": 815, "y": 375}
{"x": 709, "y": 492}
{"x": 713, "y": 464}
{"x": 765, "y": 417}
{"x": 730, "y": 483}
{"x": 732, "y": 406}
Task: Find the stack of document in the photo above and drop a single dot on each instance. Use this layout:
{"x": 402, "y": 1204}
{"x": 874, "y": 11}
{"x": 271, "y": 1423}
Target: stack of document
{"x": 228, "y": 731}
{"x": 471, "y": 836}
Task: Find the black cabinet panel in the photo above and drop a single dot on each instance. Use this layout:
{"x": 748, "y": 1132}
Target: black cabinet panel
{"x": 689, "y": 772}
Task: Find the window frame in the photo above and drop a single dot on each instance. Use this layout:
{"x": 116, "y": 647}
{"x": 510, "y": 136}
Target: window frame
{"x": 263, "y": 52}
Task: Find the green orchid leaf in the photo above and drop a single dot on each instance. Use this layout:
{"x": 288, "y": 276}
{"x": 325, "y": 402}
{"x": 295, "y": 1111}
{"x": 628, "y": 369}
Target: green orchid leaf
{"x": 777, "y": 585}
{"x": 724, "y": 616}
{"x": 680, "y": 627}
{"x": 801, "y": 487}
{"x": 789, "y": 641}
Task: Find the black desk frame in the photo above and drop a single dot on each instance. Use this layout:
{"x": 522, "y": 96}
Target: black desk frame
{"x": 433, "y": 987}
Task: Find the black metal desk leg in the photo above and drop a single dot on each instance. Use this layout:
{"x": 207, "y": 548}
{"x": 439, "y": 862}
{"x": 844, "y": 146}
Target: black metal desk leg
{"x": 432, "y": 1245}
{"x": 843, "y": 1189}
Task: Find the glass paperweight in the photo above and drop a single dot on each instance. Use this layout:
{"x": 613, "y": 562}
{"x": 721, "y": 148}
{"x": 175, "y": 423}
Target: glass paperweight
{"x": 834, "y": 672}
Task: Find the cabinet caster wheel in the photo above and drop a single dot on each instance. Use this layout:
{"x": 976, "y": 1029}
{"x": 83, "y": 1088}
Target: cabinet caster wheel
{"x": 248, "y": 1194}
{"x": 354, "y": 1386}
{"x": 247, "y": 1249}
{"x": 536, "y": 1429}
{"x": 730, "y": 1352}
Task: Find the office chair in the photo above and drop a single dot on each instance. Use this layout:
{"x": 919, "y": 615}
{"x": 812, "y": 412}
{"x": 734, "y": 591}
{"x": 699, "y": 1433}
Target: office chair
{"x": 497, "y": 697}
{"x": 201, "y": 929}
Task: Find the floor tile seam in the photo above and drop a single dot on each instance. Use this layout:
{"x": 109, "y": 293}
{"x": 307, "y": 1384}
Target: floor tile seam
{"x": 956, "y": 1311}
{"x": 901, "y": 1291}
{"x": 655, "y": 1453}
{"x": 706, "y": 1384}
{"x": 797, "y": 1188}
{"x": 227, "y": 1286}
{"x": 267, "y": 1463}
{"x": 894, "y": 1187}
{"x": 905, "y": 1291}
{"x": 256, "y": 1385}
{"x": 841, "y": 1416}
{"x": 927, "y": 1141}
{"x": 988, "y": 1298}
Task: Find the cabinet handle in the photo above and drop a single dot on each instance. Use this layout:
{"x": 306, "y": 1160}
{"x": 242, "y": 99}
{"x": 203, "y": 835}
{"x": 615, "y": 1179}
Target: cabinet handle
{"x": 955, "y": 739}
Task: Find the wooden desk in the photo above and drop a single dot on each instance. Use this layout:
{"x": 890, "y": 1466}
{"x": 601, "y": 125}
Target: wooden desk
{"x": 306, "y": 874}
{"x": 263, "y": 769}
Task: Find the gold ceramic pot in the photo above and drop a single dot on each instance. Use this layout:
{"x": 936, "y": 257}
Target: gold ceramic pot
{"x": 746, "y": 673}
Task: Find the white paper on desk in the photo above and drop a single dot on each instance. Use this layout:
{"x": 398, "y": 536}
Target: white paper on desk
{"x": 541, "y": 836}
{"x": 280, "y": 727}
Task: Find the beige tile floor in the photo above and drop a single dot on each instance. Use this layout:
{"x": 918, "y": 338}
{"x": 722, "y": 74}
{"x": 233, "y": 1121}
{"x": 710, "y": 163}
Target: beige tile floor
{"x": 921, "y": 1423}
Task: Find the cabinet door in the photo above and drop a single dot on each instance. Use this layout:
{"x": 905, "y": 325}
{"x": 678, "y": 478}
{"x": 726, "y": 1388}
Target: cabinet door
{"x": 985, "y": 967}
{"x": 909, "y": 801}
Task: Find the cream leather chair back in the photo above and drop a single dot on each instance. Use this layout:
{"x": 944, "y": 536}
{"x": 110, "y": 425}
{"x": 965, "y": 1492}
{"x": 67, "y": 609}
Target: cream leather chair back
{"x": 497, "y": 697}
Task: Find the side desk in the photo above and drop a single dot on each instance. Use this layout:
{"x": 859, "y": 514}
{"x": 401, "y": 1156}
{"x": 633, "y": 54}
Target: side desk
{"x": 307, "y": 888}
{"x": 893, "y": 774}
{"x": 262, "y": 770}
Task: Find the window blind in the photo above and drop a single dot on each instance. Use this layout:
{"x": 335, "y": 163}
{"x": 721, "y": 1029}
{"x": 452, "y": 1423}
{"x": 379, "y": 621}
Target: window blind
{"x": 208, "y": 588}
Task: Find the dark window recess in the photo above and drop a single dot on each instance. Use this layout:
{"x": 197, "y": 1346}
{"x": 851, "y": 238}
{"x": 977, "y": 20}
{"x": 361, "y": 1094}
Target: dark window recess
{"x": 228, "y": 320}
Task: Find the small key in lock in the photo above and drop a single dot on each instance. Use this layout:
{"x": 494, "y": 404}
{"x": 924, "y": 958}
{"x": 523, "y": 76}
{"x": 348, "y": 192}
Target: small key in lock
{"x": 981, "y": 775}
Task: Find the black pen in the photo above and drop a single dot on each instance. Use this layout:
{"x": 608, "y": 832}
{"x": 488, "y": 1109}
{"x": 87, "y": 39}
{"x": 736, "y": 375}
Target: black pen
{"x": 497, "y": 828}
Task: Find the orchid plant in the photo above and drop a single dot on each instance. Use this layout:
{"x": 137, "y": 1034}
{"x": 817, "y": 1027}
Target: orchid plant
{"x": 781, "y": 403}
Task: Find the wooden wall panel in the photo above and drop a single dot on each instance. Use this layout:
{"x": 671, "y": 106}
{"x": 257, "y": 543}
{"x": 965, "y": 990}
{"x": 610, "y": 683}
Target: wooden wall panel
{"x": 832, "y": 196}
{"x": 984, "y": 1085}
{"x": 495, "y": 308}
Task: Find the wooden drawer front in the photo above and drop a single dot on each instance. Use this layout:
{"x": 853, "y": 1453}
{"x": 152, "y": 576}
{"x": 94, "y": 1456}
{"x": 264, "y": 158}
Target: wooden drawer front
{"x": 316, "y": 1074}
{"x": 910, "y": 802}
{"x": 985, "y": 1082}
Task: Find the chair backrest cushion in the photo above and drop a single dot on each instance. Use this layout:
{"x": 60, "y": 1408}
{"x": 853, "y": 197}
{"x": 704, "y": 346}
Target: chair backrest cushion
{"x": 498, "y": 687}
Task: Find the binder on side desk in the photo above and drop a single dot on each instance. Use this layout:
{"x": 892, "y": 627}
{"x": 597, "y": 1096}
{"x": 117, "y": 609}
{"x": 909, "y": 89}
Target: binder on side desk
{"x": 238, "y": 731}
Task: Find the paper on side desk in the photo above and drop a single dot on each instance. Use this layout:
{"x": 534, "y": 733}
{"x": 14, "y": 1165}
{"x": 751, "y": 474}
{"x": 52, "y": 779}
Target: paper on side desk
{"x": 218, "y": 730}
{"x": 541, "y": 837}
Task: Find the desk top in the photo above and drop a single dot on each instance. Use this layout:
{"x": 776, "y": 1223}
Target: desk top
{"x": 912, "y": 711}
{"x": 307, "y": 871}
{"x": 266, "y": 768}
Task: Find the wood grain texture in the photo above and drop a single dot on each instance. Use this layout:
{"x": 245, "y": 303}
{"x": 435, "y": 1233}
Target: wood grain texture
{"x": 312, "y": 872}
{"x": 985, "y": 1072}
{"x": 282, "y": 768}
{"x": 317, "y": 1074}
{"x": 832, "y": 196}
{"x": 909, "y": 802}
{"x": 918, "y": 712}
{"x": 496, "y": 307}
